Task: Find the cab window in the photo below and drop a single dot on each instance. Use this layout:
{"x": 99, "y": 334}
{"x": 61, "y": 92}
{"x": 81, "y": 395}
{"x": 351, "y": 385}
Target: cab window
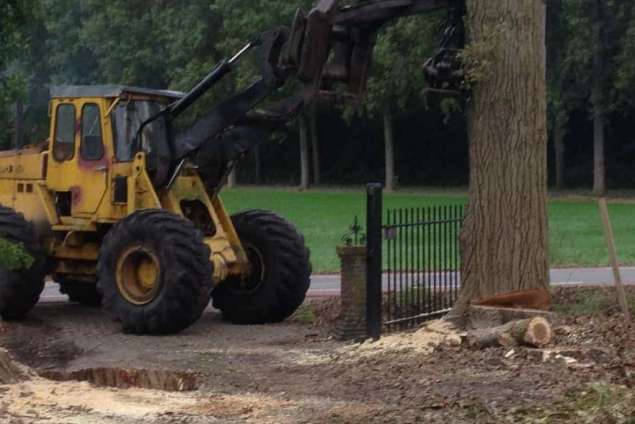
{"x": 91, "y": 147}
{"x": 64, "y": 145}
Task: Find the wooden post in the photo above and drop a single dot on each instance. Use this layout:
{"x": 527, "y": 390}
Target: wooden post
{"x": 610, "y": 242}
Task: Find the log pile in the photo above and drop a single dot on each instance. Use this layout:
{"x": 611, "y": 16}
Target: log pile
{"x": 516, "y": 319}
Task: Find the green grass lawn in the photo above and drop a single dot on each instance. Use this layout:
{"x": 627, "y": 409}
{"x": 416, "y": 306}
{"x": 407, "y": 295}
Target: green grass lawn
{"x": 576, "y": 237}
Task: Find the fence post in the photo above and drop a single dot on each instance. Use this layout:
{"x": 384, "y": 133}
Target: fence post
{"x": 374, "y": 209}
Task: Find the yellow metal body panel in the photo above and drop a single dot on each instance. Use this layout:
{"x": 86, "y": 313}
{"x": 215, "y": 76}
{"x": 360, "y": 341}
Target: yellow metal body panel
{"x": 7, "y": 193}
{"x": 25, "y": 164}
{"x": 86, "y": 180}
{"x": 224, "y": 242}
{"x": 141, "y": 193}
{"x": 47, "y": 203}
{"x": 21, "y": 174}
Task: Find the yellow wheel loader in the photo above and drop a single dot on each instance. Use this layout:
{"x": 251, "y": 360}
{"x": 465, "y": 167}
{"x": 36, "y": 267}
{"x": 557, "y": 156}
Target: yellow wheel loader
{"x": 91, "y": 209}
{"x": 120, "y": 205}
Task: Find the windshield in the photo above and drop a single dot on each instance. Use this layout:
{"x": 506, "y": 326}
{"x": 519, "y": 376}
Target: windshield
{"x": 127, "y": 118}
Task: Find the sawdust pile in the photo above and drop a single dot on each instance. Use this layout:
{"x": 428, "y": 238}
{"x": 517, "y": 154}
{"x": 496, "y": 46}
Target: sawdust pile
{"x": 40, "y": 399}
{"x": 422, "y": 341}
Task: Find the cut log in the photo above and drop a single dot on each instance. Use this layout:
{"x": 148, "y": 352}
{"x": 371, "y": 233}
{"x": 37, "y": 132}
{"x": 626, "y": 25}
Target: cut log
{"x": 489, "y": 316}
{"x": 534, "y": 332}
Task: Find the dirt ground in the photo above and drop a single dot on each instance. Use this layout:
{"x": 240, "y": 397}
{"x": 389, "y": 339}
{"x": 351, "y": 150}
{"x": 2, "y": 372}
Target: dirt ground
{"x": 295, "y": 372}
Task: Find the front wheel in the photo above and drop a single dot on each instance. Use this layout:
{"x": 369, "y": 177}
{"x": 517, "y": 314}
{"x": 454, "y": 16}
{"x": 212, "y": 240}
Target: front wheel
{"x": 280, "y": 271}
{"x": 154, "y": 273}
{"x": 21, "y": 283}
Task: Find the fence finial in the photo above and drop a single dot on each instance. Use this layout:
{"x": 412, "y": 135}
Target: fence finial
{"x": 354, "y": 236}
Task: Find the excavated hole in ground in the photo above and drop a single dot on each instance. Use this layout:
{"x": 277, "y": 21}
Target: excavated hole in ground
{"x": 171, "y": 381}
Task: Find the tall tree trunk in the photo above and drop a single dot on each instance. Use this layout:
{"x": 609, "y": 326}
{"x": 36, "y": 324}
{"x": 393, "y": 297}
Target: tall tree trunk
{"x": 258, "y": 169}
{"x": 389, "y": 144}
{"x": 559, "y": 133}
{"x": 19, "y": 126}
{"x": 599, "y": 170}
{"x": 315, "y": 144}
{"x": 304, "y": 153}
{"x": 597, "y": 98}
{"x": 504, "y": 238}
{"x": 231, "y": 179}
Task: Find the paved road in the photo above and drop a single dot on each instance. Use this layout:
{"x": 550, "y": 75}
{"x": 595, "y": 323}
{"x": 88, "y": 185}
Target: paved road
{"x": 329, "y": 285}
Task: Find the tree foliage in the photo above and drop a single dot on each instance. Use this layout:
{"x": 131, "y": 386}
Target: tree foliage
{"x": 13, "y": 256}
{"x": 401, "y": 49}
{"x": 13, "y": 40}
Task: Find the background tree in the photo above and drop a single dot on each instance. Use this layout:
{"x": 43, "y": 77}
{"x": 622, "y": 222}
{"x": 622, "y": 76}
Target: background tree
{"x": 504, "y": 239}
{"x": 315, "y": 143}
{"x": 242, "y": 21}
{"x": 396, "y": 80}
{"x": 594, "y": 29}
{"x": 13, "y": 18}
{"x": 303, "y": 130}
{"x": 557, "y": 80}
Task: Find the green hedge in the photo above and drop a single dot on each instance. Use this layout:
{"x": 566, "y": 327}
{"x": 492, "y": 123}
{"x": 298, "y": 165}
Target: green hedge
{"x": 14, "y": 256}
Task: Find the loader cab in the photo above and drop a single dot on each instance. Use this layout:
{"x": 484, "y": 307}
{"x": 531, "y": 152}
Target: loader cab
{"x": 92, "y": 142}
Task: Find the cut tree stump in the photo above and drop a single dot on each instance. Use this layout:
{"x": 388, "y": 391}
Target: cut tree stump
{"x": 11, "y": 371}
{"x": 533, "y": 332}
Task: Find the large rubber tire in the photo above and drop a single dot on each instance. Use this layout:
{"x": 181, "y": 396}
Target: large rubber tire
{"x": 278, "y": 284}
{"x": 183, "y": 277}
{"x": 80, "y": 292}
{"x": 20, "y": 290}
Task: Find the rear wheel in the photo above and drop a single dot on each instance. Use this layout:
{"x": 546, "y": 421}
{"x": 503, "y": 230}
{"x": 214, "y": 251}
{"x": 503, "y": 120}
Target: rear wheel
{"x": 280, "y": 271}
{"x": 20, "y": 288}
{"x": 81, "y": 292}
{"x": 154, "y": 273}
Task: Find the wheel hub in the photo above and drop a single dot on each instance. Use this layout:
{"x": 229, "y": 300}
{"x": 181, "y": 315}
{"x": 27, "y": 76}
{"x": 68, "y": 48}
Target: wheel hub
{"x": 257, "y": 268}
{"x": 138, "y": 273}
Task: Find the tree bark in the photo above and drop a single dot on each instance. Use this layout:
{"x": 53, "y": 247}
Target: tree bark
{"x": 19, "y": 126}
{"x": 503, "y": 242}
{"x": 304, "y": 153}
{"x": 597, "y": 99}
{"x": 390, "y": 149}
{"x": 258, "y": 169}
{"x": 599, "y": 171}
{"x": 315, "y": 144}
{"x": 559, "y": 133}
{"x": 231, "y": 178}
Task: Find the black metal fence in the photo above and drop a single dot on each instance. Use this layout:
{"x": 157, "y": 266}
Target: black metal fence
{"x": 413, "y": 272}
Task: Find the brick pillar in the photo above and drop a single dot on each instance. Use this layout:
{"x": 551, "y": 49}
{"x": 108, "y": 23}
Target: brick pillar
{"x": 352, "y": 319}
